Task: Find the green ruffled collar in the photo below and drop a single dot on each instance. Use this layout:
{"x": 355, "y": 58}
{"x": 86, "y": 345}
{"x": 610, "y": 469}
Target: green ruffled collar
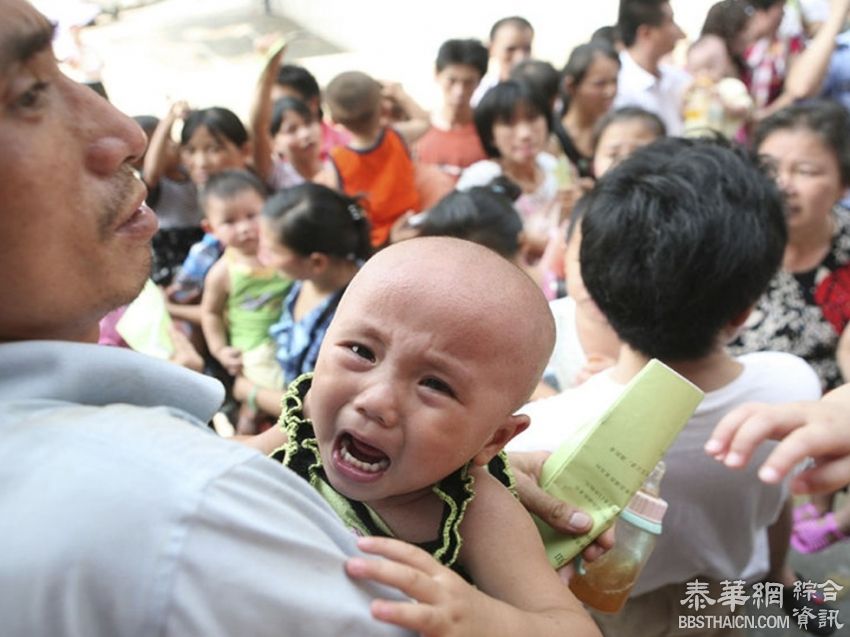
{"x": 301, "y": 454}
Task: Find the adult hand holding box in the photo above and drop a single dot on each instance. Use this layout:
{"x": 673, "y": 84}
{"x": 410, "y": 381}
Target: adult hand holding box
{"x": 604, "y": 463}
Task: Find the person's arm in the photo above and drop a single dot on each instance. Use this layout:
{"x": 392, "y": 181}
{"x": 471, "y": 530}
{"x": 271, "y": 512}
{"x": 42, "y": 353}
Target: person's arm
{"x": 184, "y": 312}
{"x": 156, "y": 157}
{"x": 507, "y": 560}
{"x": 419, "y": 119}
{"x": 266, "y": 399}
{"x": 516, "y": 590}
{"x": 213, "y": 304}
{"x": 808, "y": 69}
{"x": 807, "y": 429}
{"x": 261, "y": 115}
{"x": 184, "y": 354}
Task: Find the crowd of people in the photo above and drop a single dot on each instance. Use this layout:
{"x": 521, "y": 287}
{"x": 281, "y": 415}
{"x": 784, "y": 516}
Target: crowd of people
{"x": 355, "y": 277}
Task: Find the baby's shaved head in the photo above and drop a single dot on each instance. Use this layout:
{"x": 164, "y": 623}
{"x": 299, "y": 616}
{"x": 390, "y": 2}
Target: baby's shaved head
{"x": 471, "y": 292}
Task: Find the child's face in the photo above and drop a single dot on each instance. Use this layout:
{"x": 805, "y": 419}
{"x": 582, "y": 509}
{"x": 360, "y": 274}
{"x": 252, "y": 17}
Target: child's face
{"x": 297, "y": 139}
{"x": 521, "y": 139}
{"x": 275, "y": 255}
{"x": 511, "y": 45}
{"x": 235, "y": 220}
{"x": 206, "y": 155}
{"x": 405, "y": 392}
{"x": 618, "y": 141}
{"x": 709, "y": 58}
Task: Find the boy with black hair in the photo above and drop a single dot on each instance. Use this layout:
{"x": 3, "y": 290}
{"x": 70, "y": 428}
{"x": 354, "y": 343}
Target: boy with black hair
{"x": 649, "y": 33}
{"x": 451, "y": 143}
{"x": 678, "y": 243}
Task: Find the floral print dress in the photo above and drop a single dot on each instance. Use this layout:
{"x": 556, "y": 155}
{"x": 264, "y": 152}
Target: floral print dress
{"x": 804, "y": 313}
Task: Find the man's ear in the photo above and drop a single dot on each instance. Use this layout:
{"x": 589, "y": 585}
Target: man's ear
{"x": 515, "y": 424}
{"x": 643, "y": 32}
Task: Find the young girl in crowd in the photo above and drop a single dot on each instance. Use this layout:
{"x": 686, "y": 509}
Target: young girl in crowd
{"x": 171, "y": 194}
{"x": 588, "y": 87}
{"x": 242, "y": 298}
{"x": 211, "y": 140}
{"x": 286, "y": 133}
{"x": 622, "y": 132}
{"x": 319, "y": 238}
{"x": 513, "y": 123}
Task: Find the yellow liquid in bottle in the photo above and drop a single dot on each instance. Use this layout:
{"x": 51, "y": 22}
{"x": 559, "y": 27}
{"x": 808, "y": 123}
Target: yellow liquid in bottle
{"x": 605, "y": 588}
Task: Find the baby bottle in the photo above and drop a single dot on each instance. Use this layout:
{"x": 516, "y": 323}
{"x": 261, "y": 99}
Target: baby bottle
{"x": 605, "y": 583}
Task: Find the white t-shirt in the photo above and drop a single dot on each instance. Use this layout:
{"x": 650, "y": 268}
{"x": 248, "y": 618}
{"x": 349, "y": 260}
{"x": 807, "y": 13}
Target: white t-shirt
{"x": 662, "y": 95}
{"x": 568, "y": 357}
{"x": 716, "y": 524}
{"x": 537, "y": 209}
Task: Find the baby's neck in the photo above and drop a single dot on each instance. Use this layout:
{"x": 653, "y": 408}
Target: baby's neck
{"x": 412, "y": 517}
{"x": 245, "y": 258}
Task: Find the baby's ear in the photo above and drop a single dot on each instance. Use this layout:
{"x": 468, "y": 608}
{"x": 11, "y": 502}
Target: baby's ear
{"x": 515, "y": 424}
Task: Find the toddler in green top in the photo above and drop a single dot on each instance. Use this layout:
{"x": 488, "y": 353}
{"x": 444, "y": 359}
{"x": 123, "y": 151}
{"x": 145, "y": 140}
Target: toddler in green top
{"x": 242, "y": 298}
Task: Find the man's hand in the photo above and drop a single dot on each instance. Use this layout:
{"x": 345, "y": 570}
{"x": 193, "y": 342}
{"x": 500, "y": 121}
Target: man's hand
{"x": 558, "y": 514}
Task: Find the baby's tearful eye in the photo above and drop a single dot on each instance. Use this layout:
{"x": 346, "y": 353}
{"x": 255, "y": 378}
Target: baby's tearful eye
{"x": 437, "y": 385}
{"x": 362, "y": 352}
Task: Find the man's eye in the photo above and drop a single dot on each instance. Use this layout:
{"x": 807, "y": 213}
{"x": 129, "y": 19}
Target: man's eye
{"x": 32, "y": 97}
{"x": 363, "y": 352}
{"x": 437, "y": 385}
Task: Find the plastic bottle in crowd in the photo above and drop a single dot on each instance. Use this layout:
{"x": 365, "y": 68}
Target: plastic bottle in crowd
{"x": 605, "y": 583}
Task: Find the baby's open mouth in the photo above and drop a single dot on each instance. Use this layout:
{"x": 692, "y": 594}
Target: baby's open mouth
{"x": 361, "y": 455}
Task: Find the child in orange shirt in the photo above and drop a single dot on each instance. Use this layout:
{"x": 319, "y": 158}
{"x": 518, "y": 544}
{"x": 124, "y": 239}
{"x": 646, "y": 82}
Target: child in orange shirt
{"x": 376, "y": 163}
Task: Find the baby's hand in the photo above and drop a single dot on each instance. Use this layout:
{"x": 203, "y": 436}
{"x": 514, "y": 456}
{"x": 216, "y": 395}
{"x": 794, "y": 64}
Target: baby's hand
{"x": 443, "y": 605}
{"x": 230, "y": 358}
